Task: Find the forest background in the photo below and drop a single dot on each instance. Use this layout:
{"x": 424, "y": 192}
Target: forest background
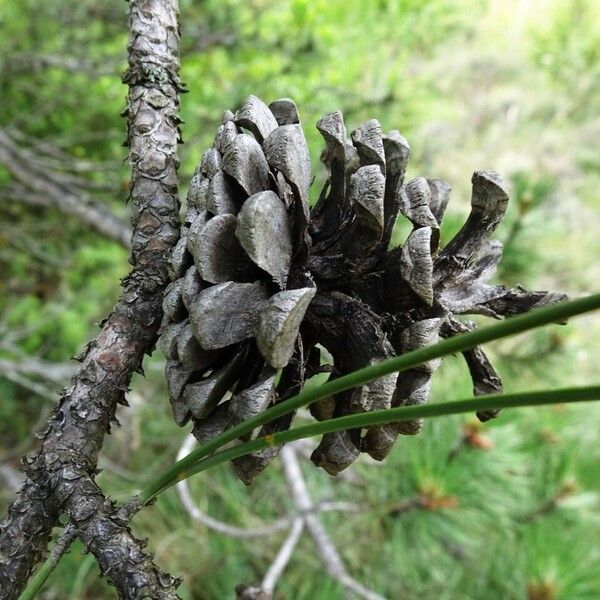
{"x": 506, "y": 510}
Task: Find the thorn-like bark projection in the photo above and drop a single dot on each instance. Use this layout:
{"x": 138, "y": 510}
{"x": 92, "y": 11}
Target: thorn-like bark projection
{"x": 60, "y": 475}
{"x": 324, "y": 277}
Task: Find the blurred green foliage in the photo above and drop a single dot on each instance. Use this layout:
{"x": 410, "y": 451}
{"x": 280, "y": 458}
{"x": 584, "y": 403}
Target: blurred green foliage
{"x": 509, "y": 510}
{"x": 568, "y": 49}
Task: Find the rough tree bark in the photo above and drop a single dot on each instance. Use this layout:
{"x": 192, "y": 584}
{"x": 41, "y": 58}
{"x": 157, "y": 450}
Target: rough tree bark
{"x": 60, "y": 476}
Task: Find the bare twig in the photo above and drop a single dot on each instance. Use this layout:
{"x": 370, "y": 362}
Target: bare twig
{"x": 52, "y": 372}
{"x": 53, "y": 155}
{"x": 12, "y": 478}
{"x": 23, "y": 62}
{"x": 325, "y": 546}
{"x": 307, "y": 518}
{"x": 283, "y": 556}
{"x": 225, "y": 528}
{"x": 76, "y": 202}
{"x": 10, "y": 370}
{"x": 276, "y": 526}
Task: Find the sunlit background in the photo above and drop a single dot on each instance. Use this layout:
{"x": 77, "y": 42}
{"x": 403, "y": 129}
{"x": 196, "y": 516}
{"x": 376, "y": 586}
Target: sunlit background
{"x": 509, "y": 510}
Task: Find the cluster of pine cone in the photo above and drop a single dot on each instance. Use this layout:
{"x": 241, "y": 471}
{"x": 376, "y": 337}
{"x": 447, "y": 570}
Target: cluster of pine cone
{"x": 265, "y": 290}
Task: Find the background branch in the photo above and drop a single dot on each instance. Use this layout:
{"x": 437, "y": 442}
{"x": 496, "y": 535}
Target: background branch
{"x": 58, "y": 190}
{"x": 326, "y": 548}
{"x": 307, "y": 518}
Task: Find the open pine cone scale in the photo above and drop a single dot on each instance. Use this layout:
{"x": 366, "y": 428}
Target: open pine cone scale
{"x": 261, "y": 284}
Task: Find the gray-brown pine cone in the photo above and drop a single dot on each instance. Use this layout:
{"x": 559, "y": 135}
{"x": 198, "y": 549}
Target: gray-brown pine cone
{"x": 260, "y": 282}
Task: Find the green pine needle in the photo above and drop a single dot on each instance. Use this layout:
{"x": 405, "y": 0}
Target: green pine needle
{"x": 394, "y": 415}
{"x": 556, "y": 313}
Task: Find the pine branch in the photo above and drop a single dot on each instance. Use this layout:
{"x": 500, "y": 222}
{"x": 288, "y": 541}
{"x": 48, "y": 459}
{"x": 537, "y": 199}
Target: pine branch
{"x": 60, "y": 474}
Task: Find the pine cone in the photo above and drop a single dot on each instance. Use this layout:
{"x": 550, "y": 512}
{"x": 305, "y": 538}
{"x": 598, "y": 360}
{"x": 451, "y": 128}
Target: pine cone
{"x": 261, "y": 283}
